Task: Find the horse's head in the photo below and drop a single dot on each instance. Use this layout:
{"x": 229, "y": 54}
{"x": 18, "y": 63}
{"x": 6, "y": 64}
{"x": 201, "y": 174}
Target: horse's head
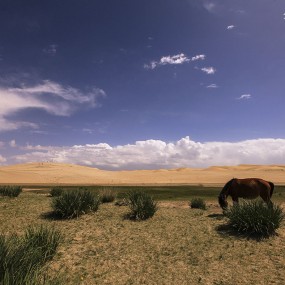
{"x": 224, "y": 194}
{"x": 223, "y": 201}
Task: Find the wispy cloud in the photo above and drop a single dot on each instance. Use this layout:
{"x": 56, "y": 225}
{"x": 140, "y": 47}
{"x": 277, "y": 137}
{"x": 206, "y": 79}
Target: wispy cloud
{"x": 155, "y": 154}
{"x": 209, "y": 70}
{"x": 230, "y": 27}
{"x": 51, "y": 49}
{"x": 214, "y": 85}
{"x": 173, "y": 60}
{"x": 49, "y": 96}
{"x": 198, "y": 57}
{"x": 209, "y": 6}
{"x": 245, "y": 97}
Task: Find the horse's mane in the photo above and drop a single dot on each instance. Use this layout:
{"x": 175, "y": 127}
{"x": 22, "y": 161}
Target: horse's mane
{"x": 226, "y": 187}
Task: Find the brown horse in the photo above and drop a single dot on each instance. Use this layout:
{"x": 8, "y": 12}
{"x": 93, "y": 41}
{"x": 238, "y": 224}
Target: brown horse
{"x": 248, "y": 188}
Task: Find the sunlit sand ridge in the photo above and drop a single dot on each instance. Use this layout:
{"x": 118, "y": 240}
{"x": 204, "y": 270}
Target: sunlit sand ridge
{"x": 56, "y": 173}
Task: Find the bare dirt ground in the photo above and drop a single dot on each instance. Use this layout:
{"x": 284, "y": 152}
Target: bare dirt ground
{"x": 179, "y": 245}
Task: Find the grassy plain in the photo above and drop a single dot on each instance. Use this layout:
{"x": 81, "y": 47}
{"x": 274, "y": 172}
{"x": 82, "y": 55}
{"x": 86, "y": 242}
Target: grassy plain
{"x": 179, "y": 245}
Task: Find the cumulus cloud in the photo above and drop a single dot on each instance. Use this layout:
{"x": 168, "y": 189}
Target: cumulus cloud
{"x": 209, "y": 70}
{"x": 2, "y": 159}
{"x": 244, "y": 97}
{"x": 173, "y": 60}
{"x": 155, "y": 154}
{"x": 50, "y": 96}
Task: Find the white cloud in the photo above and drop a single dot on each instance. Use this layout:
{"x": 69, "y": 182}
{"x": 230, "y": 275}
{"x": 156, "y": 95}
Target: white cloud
{"x": 151, "y": 65}
{"x": 244, "y": 97}
{"x": 209, "y": 70}
{"x": 214, "y": 85}
{"x": 12, "y": 143}
{"x": 155, "y": 154}
{"x": 174, "y": 60}
{"x": 198, "y": 57}
{"x": 50, "y": 96}
{"x": 2, "y": 144}
{"x": 230, "y": 27}
{"x": 2, "y": 159}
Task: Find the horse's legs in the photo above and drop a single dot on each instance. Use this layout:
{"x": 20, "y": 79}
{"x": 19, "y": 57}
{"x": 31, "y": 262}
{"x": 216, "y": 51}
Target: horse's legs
{"x": 269, "y": 204}
{"x": 267, "y": 201}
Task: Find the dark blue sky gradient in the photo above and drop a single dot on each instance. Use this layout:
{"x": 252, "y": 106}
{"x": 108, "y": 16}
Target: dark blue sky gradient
{"x": 105, "y": 44}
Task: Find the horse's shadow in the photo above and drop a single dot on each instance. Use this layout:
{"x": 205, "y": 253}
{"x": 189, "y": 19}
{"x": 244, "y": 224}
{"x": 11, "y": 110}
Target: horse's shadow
{"x": 52, "y": 216}
{"x": 217, "y": 216}
{"x": 226, "y": 230}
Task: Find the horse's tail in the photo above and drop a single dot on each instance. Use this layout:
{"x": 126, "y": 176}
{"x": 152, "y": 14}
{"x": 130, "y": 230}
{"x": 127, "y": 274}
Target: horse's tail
{"x": 271, "y": 188}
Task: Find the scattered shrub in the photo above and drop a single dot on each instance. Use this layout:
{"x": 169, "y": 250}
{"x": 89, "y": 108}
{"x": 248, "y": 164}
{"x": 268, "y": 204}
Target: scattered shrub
{"x": 255, "y": 218}
{"x": 21, "y": 258}
{"x": 142, "y": 205}
{"x": 56, "y": 191}
{"x": 107, "y": 195}
{"x": 72, "y": 204}
{"x": 10, "y": 191}
{"x": 198, "y": 203}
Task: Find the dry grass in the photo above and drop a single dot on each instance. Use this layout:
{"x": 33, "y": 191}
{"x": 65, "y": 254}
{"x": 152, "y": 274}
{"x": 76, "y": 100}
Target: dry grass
{"x": 179, "y": 245}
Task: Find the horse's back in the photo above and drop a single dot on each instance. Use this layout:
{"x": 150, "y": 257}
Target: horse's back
{"x": 251, "y": 188}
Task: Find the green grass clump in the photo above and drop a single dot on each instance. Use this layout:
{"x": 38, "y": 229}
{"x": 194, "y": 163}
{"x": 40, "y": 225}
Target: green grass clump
{"x": 10, "y": 191}
{"x": 73, "y": 203}
{"x": 255, "y": 218}
{"x": 56, "y": 191}
{"x": 107, "y": 195}
{"x": 22, "y": 258}
{"x": 44, "y": 238}
{"x": 141, "y": 204}
{"x": 198, "y": 203}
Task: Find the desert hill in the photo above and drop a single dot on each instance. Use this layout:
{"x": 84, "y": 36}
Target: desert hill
{"x": 56, "y": 173}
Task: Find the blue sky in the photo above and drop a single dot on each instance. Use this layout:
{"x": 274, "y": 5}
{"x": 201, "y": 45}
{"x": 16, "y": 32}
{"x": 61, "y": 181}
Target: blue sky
{"x": 142, "y": 84}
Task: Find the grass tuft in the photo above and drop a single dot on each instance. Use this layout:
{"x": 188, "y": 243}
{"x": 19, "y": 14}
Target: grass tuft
{"x": 21, "y": 258}
{"x": 10, "y": 191}
{"x": 56, "y": 191}
{"x": 255, "y": 218}
{"x": 107, "y": 195}
{"x": 198, "y": 203}
{"x": 72, "y": 204}
{"x": 141, "y": 204}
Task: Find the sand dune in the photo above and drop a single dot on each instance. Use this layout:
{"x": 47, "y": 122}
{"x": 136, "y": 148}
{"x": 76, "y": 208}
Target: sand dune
{"x": 56, "y": 173}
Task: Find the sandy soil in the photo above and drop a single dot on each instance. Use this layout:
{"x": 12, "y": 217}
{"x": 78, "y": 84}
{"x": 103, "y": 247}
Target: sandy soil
{"x": 55, "y": 173}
